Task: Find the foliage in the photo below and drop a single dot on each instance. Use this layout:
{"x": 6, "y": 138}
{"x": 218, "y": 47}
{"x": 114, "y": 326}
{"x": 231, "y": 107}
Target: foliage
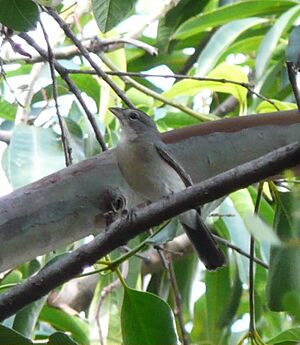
{"x": 238, "y": 42}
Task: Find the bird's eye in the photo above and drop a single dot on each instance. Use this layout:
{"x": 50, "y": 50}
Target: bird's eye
{"x": 133, "y": 116}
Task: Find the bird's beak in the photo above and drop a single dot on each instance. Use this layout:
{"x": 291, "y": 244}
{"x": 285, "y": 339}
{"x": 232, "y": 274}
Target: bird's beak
{"x": 118, "y": 112}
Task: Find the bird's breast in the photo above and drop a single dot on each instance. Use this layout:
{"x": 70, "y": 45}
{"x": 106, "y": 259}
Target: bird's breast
{"x": 146, "y": 172}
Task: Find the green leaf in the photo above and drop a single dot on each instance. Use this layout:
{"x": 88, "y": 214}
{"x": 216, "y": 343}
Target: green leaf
{"x": 32, "y": 154}
{"x": 230, "y": 308}
{"x": 174, "y": 17}
{"x": 26, "y": 319}
{"x": 253, "y": 224}
{"x": 292, "y": 50}
{"x": 59, "y": 338}
{"x": 176, "y": 120}
{"x": 218, "y": 291}
{"x": 267, "y": 107}
{"x": 164, "y": 235}
{"x": 7, "y": 110}
{"x": 289, "y": 335}
{"x": 199, "y": 331}
{"x": 225, "y": 14}
{"x": 75, "y": 140}
{"x": 270, "y": 41}
{"x": 19, "y": 15}
{"x": 221, "y": 40}
{"x": 285, "y": 261}
{"x": 59, "y": 319}
{"x": 223, "y": 71}
{"x": 238, "y": 232}
{"x": 91, "y": 145}
{"x": 146, "y": 319}
{"x": 11, "y": 337}
{"x": 244, "y": 46}
{"x": 109, "y": 13}
{"x": 87, "y": 84}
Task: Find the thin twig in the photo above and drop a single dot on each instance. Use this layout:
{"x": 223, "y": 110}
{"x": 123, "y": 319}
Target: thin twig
{"x": 64, "y": 130}
{"x": 124, "y": 229}
{"x": 105, "y": 292}
{"x": 120, "y": 41}
{"x": 104, "y": 45}
{"x": 3, "y": 76}
{"x": 147, "y": 91}
{"x": 64, "y": 75}
{"x": 65, "y": 27}
{"x": 168, "y": 265}
{"x": 240, "y": 251}
{"x": 247, "y": 86}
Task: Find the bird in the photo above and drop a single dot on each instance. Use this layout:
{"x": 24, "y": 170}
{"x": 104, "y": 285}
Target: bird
{"x": 152, "y": 172}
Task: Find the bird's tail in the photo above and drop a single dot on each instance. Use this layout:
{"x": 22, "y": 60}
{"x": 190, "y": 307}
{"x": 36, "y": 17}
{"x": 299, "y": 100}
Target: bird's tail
{"x": 204, "y": 243}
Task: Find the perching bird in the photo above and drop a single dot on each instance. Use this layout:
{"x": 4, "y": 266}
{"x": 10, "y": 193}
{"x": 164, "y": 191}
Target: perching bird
{"x": 150, "y": 170}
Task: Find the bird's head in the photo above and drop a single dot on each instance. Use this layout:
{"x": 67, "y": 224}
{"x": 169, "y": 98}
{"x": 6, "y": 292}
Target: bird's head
{"x": 135, "y": 122}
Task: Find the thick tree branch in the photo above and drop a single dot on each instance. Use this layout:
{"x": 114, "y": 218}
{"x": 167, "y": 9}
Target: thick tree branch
{"x": 126, "y": 228}
{"x": 71, "y": 198}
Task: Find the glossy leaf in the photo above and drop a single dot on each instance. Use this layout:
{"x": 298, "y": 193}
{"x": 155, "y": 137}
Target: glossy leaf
{"x": 229, "y": 13}
{"x": 146, "y": 319}
{"x": 238, "y": 234}
{"x": 221, "y": 40}
{"x": 11, "y": 337}
{"x": 61, "y": 320}
{"x": 164, "y": 235}
{"x": 26, "y": 319}
{"x": 108, "y": 13}
{"x": 59, "y": 338}
{"x": 218, "y": 291}
{"x": 33, "y": 153}
{"x": 19, "y": 15}
{"x": 268, "y": 44}
{"x": 176, "y": 16}
{"x": 267, "y": 107}
{"x": 285, "y": 261}
{"x": 291, "y": 335}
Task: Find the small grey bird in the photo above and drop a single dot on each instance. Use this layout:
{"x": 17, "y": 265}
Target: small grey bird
{"x": 150, "y": 170}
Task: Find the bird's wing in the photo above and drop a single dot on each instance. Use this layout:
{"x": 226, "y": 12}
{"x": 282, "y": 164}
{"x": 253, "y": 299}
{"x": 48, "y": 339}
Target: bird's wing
{"x": 167, "y": 157}
{"x": 201, "y": 238}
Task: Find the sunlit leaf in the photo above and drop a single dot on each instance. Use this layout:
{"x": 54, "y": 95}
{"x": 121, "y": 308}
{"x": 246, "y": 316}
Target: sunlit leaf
{"x": 267, "y": 107}
{"x": 223, "y": 71}
{"x": 7, "y": 110}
